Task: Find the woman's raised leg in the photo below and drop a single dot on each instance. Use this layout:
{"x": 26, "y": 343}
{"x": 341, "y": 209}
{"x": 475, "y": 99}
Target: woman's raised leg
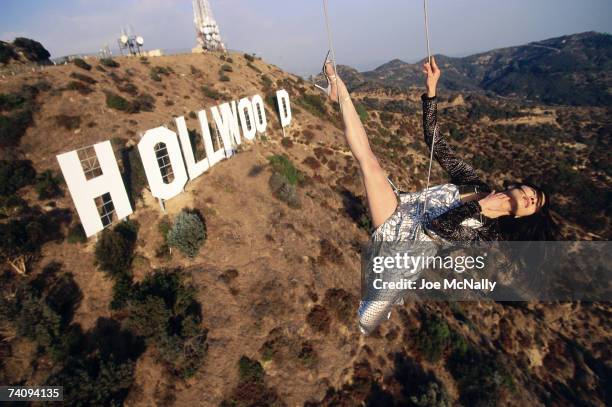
{"x": 381, "y": 199}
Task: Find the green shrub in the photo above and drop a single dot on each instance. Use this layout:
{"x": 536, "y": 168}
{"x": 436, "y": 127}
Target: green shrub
{"x": 251, "y": 389}
{"x": 211, "y": 93}
{"x": 433, "y": 338}
{"x": 43, "y": 314}
{"x": 187, "y": 234}
{"x": 76, "y": 234}
{"x": 250, "y": 370}
{"x": 96, "y": 380}
{"x": 226, "y": 68}
{"x": 266, "y": 81}
{"x": 115, "y": 248}
{"x": 284, "y": 180}
{"x": 48, "y": 185}
{"x": 224, "y": 78}
{"x": 80, "y": 87}
{"x": 128, "y": 88}
{"x": 67, "y": 121}
{"x": 163, "y": 310}
{"x": 253, "y": 67}
{"x": 11, "y": 101}
{"x": 12, "y": 206}
{"x": 315, "y": 104}
{"x": 81, "y": 64}
{"x": 249, "y": 57}
{"x": 142, "y": 103}
{"x": 14, "y": 126}
{"x": 480, "y": 377}
{"x": 117, "y": 102}
{"x": 155, "y": 76}
{"x": 156, "y": 72}
{"x": 229, "y": 60}
{"x": 14, "y": 175}
{"x": 281, "y": 164}
{"x": 284, "y": 191}
{"x": 109, "y": 62}
{"x": 362, "y": 112}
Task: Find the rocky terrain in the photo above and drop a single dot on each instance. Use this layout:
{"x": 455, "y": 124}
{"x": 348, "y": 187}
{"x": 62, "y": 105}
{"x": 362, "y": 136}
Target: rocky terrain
{"x": 263, "y": 313}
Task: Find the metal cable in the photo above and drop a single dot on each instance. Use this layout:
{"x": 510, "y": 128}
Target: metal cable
{"x": 433, "y": 138}
{"x": 332, "y": 50}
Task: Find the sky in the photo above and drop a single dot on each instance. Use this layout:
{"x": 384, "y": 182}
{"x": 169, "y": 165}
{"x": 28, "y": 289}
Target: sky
{"x": 291, "y": 33}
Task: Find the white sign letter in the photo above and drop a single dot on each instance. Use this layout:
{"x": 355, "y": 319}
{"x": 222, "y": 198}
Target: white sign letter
{"x": 194, "y": 168}
{"x": 284, "y": 107}
{"x": 84, "y": 191}
{"x": 247, "y": 121}
{"x": 171, "y": 159}
{"x": 227, "y": 124}
{"x": 260, "y": 114}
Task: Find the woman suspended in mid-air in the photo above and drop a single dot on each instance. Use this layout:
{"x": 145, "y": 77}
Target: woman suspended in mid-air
{"x": 465, "y": 209}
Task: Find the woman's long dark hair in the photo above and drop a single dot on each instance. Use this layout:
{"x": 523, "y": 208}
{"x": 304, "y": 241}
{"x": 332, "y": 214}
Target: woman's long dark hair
{"x": 537, "y": 227}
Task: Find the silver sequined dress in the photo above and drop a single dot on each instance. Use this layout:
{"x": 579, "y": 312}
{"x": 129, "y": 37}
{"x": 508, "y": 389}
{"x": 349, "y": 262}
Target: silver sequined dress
{"x": 405, "y": 225}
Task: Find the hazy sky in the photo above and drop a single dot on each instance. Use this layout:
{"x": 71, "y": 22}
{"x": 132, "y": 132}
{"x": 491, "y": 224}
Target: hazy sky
{"x": 291, "y": 33}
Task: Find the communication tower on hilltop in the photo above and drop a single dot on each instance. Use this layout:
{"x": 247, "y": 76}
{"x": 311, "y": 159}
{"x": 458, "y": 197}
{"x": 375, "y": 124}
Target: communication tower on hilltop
{"x": 207, "y": 30}
{"x": 130, "y": 42}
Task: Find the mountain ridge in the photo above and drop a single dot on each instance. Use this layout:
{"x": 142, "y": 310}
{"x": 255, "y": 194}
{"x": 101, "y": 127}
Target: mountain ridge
{"x": 573, "y": 69}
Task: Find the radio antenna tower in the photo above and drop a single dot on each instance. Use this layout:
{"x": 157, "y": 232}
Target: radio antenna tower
{"x": 207, "y": 30}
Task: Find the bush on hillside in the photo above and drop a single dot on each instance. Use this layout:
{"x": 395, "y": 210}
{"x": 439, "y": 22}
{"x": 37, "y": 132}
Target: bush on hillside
{"x": 156, "y": 71}
{"x": 253, "y": 67}
{"x": 80, "y": 87}
{"x": 283, "y": 165}
{"x": 284, "y": 180}
{"x": 117, "y": 102}
{"x": 68, "y": 122}
{"x": 81, "y": 64}
{"x": 109, "y": 62}
{"x": 249, "y": 57}
{"x": 251, "y": 389}
{"x": 115, "y": 248}
{"x": 23, "y": 104}
{"x": 224, "y": 78}
{"x": 162, "y": 310}
{"x": 142, "y": 103}
{"x": 211, "y": 93}
{"x": 48, "y": 185}
{"x": 76, "y": 234}
{"x": 226, "y": 68}
{"x": 187, "y": 234}
{"x": 14, "y": 175}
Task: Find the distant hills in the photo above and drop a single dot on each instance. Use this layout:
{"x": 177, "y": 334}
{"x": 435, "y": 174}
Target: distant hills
{"x": 570, "y": 70}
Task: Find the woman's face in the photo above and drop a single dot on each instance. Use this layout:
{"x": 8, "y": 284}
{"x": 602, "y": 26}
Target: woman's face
{"x": 525, "y": 200}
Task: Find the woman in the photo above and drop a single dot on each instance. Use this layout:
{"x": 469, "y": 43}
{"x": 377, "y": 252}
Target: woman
{"x": 466, "y": 209}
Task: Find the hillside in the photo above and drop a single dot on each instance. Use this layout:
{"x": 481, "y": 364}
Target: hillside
{"x": 23, "y": 51}
{"x": 569, "y": 70}
{"x": 264, "y": 313}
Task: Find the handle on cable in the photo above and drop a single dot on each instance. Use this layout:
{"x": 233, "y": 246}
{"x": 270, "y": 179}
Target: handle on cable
{"x": 331, "y": 47}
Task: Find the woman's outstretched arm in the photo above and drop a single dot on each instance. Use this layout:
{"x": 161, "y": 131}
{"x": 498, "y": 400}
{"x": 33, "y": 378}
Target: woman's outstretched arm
{"x": 461, "y": 173}
{"x": 381, "y": 199}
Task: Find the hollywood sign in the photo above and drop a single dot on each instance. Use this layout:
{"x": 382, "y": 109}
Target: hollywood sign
{"x": 98, "y": 192}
